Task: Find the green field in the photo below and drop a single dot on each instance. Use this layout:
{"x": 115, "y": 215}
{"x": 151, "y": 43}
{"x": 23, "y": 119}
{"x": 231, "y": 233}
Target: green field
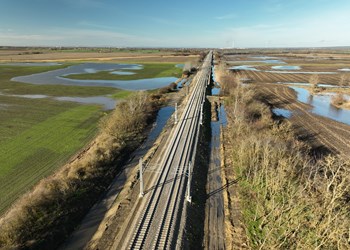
{"x": 37, "y": 136}
{"x": 150, "y": 70}
{"x": 9, "y": 87}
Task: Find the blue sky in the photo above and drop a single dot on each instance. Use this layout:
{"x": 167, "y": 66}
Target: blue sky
{"x": 147, "y": 23}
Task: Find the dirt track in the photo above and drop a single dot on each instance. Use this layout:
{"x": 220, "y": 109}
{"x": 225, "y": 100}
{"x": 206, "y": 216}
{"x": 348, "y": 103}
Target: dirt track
{"x": 324, "y": 134}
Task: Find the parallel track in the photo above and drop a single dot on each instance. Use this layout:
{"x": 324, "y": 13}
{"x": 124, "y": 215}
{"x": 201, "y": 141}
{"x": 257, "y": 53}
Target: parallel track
{"x": 158, "y": 224}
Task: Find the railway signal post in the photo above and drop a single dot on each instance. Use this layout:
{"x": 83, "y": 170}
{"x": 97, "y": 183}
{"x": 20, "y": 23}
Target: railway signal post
{"x": 175, "y": 113}
{"x": 141, "y": 177}
{"x": 189, "y": 198}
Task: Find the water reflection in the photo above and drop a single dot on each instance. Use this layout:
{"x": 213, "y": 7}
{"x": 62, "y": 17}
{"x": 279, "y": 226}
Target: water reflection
{"x": 321, "y": 105}
{"x": 286, "y": 67}
{"x": 244, "y": 67}
{"x": 122, "y": 73}
{"x": 162, "y": 118}
{"x": 282, "y": 112}
{"x": 180, "y": 65}
{"x": 308, "y": 84}
{"x": 106, "y": 102}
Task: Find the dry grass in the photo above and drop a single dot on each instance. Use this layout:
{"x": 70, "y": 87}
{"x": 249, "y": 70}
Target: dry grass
{"x": 338, "y": 100}
{"x": 314, "y": 81}
{"x": 344, "y": 80}
{"x": 44, "y": 217}
{"x": 289, "y": 199}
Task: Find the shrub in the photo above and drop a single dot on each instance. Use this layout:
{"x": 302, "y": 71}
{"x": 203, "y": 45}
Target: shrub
{"x": 338, "y": 100}
{"x": 289, "y": 200}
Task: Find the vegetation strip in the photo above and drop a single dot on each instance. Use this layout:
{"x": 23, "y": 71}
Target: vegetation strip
{"x": 289, "y": 199}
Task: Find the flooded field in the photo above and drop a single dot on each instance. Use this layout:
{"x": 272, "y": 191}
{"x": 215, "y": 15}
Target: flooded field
{"x": 58, "y": 77}
{"x": 106, "y": 102}
{"x": 321, "y": 105}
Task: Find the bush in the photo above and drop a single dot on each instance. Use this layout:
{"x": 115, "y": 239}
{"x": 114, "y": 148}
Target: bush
{"x": 289, "y": 200}
{"x": 338, "y": 100}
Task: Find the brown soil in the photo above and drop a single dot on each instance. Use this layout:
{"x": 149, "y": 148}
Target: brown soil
{"x": 16, "y": 56}
{"x": 323, "y": 134}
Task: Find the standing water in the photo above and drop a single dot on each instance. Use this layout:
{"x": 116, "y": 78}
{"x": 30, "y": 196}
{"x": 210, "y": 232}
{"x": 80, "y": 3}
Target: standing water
{"x": 321, "y": 105}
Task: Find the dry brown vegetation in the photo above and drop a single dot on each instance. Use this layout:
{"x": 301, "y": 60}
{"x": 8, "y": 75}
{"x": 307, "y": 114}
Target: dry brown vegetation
{"x": 314, "y": 81}
{"x": 45, "y": 216}
{"x": 344, "y": 80}
{"x": 289, "y": 199}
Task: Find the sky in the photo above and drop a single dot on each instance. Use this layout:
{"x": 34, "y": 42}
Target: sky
{"x": 181, "y": 23}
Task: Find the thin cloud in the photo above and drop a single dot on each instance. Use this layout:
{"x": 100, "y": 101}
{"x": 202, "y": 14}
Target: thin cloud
{"x": 75, "y": 37}
{"x": 165, "y": 21}
{"x": 228, "y": 16}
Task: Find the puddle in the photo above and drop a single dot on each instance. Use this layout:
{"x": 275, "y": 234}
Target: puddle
{"x": 282, "y": 112}
{"x": 122, "y": 73}
{"x": 244, "y": 67}
{"x": 55, "y": 77}
{"x": 345, "y": 69}
{"x": 31, "y": 96}
{"x": 222, "y": 116}
{"x": 252, "y": 68}
{"x": 162, "y": 118}
{"x": 322, "y": 105}
{"x": 216, "y": 130}
{"x": 107, "y": 103}
{"x": 263, "y": 57}
{"x": 267, "y": 61}
{"x": 215, "y": 91}
{"x": 133, "y": 66}
{"x": 216, "y": 88}
{"x": 272, "y": 61}
{"x": 308, "y": 84}
{"x": 32, "y": 64}
{"x": 91, "y": 71}
{"x": 182, "y": 83}
{"x": 286, "y": 67}
{"x": 180, "y": 65}
{"x": 300, "y": 72}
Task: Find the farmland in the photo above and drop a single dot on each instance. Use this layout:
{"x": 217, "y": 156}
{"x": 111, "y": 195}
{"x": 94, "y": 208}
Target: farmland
{"x": 39, "y": 134}
{"x": 42, "y": 146}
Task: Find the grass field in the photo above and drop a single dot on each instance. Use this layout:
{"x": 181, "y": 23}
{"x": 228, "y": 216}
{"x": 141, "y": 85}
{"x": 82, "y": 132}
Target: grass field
{"x": 10, "y": 87}
{"x": 150, "y": 70}
{"x": 37, "y": 136}
{"x": 38, "y": 139}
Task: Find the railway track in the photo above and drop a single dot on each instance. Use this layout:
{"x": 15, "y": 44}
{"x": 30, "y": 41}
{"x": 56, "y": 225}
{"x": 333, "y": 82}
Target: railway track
{"x": 157, "y": 226}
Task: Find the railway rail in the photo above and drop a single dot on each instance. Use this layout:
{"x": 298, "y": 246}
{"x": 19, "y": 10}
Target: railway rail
{"x": 157, "y": 226}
